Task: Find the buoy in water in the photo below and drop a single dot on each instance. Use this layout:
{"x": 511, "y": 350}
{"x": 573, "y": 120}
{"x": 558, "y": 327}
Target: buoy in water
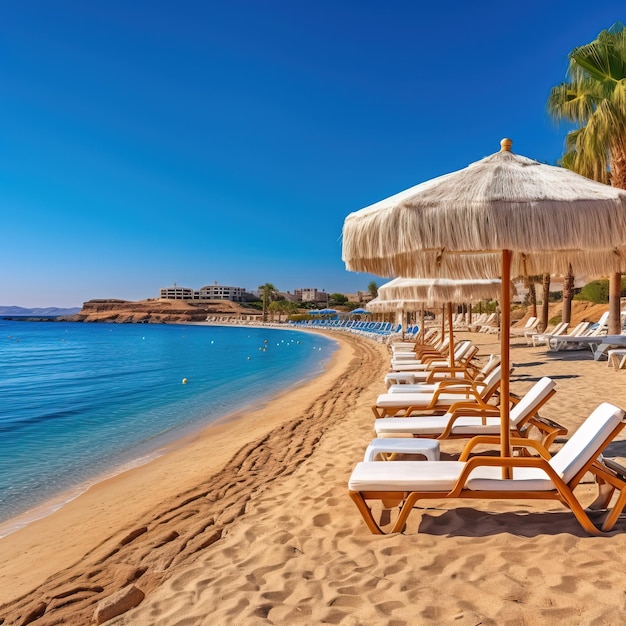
{"x": 184, "y": 381}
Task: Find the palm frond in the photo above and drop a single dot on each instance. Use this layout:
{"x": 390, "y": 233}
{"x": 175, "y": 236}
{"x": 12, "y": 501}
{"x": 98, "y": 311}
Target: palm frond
{"x": 574, "y": 102}
{"x": 603, "y": 59}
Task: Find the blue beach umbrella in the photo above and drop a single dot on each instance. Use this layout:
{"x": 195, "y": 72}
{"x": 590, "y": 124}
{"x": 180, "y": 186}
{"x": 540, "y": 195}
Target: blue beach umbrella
{"x": 359, "y": 312}
{"x": 328, "y": 312}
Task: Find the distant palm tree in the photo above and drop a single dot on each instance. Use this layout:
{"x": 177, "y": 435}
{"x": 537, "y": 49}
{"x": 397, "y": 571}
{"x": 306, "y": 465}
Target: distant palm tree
{"x": 282, "y": 307}
{"x": 268, "y": 293}
{"x": 595, "y": 100}
{"x": 373, "y": 289}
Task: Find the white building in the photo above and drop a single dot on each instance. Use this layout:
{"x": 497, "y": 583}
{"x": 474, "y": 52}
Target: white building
{"x": 222, "y": 292}
{"x": 210, "y": 292}
{"x": 177, "y": 293}
{"x": 311, "y": 295}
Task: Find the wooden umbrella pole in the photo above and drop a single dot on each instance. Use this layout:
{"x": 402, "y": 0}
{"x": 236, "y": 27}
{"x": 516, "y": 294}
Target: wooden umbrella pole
{"x": 443, "y": 322}
{"x": 451, "y": 343}
{"x": 505, "y": 359}
{"x": 422, "y": 329}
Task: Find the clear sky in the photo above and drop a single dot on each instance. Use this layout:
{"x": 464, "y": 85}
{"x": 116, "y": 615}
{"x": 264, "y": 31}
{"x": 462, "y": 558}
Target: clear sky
{"x": 147, "y": 142}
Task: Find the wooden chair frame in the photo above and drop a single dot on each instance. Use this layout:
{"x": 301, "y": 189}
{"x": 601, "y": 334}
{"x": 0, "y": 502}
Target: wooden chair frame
{"x": 563, "y": 492}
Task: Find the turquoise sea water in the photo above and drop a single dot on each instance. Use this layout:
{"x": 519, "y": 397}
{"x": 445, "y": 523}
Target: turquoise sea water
{"x": 79, "y": 401}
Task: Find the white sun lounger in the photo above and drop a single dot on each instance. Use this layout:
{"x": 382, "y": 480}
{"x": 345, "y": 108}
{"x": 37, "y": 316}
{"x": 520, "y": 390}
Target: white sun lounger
{"x": 466, "y": 423}
{"x": 533, "y": 478}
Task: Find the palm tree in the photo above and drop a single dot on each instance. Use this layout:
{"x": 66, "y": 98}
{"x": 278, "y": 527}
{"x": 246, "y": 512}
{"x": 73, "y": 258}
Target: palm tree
{"x": 543, "y": 324}
{"x": 373, "y": 289}
{"x": 529, "y": 283}
{"x": 268, "y": 293}
{"x": 568, "y": 294}
{"x": 594, "y": 100}
{"x": 281, "y": 307}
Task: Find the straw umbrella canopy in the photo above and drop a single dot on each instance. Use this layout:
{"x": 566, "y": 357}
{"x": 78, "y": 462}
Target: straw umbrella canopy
{"x": 440, "y": 290}
{"x": 505, "y": 215}
{"x": 433, "y": 291}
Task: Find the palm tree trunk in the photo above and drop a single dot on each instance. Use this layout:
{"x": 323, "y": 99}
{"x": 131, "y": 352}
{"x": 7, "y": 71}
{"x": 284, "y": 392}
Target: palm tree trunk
{"x": 618, "y": 179}
{"x": 568, "y": 294}
{"x": 544, "y": 304}
{"x": 532, "y": 295}
{"x": 615, "y": 288}
{"x": 529, "y": 283}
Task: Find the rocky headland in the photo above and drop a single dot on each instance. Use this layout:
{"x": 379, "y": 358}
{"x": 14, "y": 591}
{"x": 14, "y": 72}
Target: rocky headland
{"x": 158, "y": 311}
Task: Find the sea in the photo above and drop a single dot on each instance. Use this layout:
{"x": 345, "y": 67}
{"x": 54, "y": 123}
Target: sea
{"x": 81, "y": 402}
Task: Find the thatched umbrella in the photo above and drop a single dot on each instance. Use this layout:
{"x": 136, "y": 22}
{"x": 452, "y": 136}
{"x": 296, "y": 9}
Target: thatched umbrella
{"x": 439, "y": 291}
{"x": 505, "y": 215}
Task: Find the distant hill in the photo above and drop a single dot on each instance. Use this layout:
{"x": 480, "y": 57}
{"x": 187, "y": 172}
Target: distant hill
{"x": 43, "y": 311}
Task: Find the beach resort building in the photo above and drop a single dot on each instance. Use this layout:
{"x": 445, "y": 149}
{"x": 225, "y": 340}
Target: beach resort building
{"x": 360, "y": 296}
{"x": 222, "y": 292}
{"x": 290, "y": 297}
{"x": 311, "y": 295}
{"x": 209, "y": 292}
{"x": 177, "y": 293}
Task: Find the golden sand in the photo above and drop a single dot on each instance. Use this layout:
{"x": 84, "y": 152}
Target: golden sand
{"x": 251, "y": 523}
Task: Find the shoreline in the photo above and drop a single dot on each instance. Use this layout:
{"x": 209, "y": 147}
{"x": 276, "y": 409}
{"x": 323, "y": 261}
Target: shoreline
{"x": 270, "y": 536}
{"x": 163, "y": 445}
{"x": 107, "y": 506}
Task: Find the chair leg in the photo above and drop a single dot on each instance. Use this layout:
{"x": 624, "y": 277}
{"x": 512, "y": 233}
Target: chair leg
{"x": 405, "y": 511}
{"x": 605, "y": 493}
{"x": 616, "y": 511}
{"x": 366, "y": 513}
{"x": 578, "y": 511}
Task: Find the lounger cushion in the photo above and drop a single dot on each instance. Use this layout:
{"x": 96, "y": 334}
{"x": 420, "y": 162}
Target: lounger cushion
{"x": 418, "y": 365}
{"x": 441, "y": 476}
{"x": 524, "y": 479}
{"x": 405, "y": 476}
{"x": 413, "y": 388}
{"x": 435, "y": 424}
{"x": 408, "y": 366}
{"x": 406, "y": 356}
{"x": 531, "y": 399}
{"x": 419, "y": 399}
{"x": 586, "y": 440}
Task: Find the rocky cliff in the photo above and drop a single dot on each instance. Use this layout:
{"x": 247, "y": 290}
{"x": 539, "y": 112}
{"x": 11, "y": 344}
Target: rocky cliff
{"x": 158, "y": 311}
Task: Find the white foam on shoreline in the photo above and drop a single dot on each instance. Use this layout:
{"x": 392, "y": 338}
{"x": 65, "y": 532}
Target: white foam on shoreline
{"x": 55, "y": 503}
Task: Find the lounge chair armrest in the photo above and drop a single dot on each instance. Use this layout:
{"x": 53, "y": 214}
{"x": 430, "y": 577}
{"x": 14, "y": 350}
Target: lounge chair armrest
{"x": 549, "y": 423}
{"x": 614, "y": 466}
{"x": 495, "y": 440}
{"x": 504, "y": 462}
{"x": 471, "y": 404}
{"x": 549, "y": 429}
{"x": 459, "y": 383}
{"x": 479, "y": 416}
{"x": 472, "y": 410}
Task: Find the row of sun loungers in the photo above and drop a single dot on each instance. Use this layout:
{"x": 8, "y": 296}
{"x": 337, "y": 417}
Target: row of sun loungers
{"x": 419, "y": 410}
{"x": 584, "y": 335}
{"x": 381, "y": 331}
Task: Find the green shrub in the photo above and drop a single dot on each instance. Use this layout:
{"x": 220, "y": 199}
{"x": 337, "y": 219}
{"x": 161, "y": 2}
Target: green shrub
{"x": 597, "y": 291}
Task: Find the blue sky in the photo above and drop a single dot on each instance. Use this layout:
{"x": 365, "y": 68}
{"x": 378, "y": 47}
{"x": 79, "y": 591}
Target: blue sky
{"x": 147, "y": 143}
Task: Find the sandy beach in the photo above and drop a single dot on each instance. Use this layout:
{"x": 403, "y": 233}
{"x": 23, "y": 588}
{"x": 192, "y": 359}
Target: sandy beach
{"x": 251, "y": 523}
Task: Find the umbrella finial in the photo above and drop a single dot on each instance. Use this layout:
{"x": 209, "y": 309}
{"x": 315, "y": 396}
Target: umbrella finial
{"x": 505, "y": 145}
